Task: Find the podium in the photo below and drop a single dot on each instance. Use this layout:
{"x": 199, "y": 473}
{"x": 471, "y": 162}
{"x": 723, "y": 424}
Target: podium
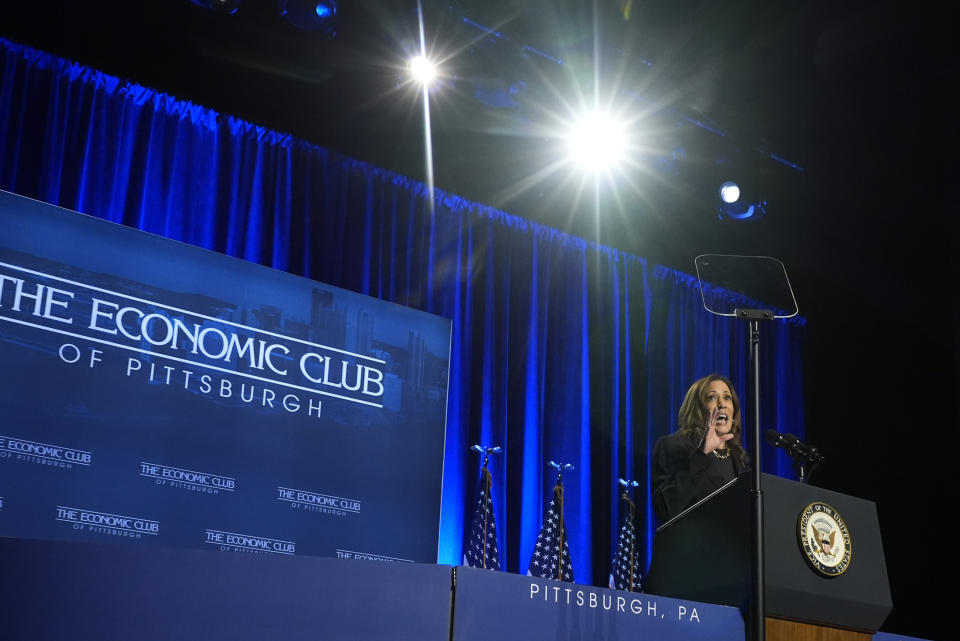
{"x": 704, "y": 554}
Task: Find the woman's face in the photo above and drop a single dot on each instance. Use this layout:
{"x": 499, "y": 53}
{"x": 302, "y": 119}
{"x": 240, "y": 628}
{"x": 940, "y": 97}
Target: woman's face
{"x": 719, "y": 396}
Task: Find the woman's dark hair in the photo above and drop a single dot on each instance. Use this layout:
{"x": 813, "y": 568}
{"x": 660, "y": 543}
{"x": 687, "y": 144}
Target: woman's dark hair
{"x": 692, "y": 418}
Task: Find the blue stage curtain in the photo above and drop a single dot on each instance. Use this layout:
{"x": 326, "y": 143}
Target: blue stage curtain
{"x": 562, "y": 349}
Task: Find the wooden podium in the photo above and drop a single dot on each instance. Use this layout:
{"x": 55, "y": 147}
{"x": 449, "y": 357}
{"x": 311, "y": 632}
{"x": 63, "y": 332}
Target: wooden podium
{"x": 704, "y": 554}
{"x": 782, "y": 630}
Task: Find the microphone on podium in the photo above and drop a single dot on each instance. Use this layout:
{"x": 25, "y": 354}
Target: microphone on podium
{"x": 794, "y": 446}
{"x": 775, "y": 438}
{"x": 803, "y": 454}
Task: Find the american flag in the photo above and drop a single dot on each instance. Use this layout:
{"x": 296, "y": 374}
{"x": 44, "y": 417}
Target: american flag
{"x": 481, "y": 548}
{"x": 625, "y": 568}
{"x": 551, "y": 557}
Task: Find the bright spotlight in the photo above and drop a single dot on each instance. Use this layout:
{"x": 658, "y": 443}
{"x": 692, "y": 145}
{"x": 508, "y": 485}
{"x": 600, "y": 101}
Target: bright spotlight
{"x": 422, "y": 70}
{"x": 596, "y": 142}
{"x": 729, "y": 192}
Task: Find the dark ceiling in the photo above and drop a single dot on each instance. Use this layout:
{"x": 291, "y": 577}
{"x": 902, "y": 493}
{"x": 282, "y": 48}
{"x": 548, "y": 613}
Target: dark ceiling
{"x": 857, "y": 94}
{"x": 810, "y": 83}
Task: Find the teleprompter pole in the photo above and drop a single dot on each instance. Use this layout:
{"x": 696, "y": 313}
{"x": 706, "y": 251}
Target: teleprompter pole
{"x": 757, "y": 620}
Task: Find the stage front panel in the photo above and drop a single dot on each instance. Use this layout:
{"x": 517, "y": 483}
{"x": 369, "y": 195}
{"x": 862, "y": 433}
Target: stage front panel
{"x": 509, "y": 607}
{"x": 62, "y": 591}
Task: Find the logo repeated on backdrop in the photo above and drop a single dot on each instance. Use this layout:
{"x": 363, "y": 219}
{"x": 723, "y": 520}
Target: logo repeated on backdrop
{"x": 366, "y": 556}
{"x": 105, "y": 523}
{"x": 187, "y": 479}
{"x": 824, "y": 539}
{"x": 235, "y": 542}
{"x": 317, "y": 502}
{"x": 19, "y": 449}
{"x": 199, "y": 390}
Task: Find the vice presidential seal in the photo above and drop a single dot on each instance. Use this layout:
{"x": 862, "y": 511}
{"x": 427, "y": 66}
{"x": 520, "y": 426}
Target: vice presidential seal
{"x": 824, "y": 539}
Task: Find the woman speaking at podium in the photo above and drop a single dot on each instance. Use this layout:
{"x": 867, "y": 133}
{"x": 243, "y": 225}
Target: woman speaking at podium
{"x": 704, "y": 453}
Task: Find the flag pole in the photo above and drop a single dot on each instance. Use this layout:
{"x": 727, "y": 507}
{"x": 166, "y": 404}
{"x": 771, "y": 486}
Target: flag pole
{"x": 561, "y": 468}
{"x": 485, "y": 485}
{"x": 628, "y": 487}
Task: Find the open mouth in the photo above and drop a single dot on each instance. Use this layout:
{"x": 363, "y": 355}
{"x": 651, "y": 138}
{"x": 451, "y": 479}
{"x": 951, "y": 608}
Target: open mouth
{"x": 722, "y": 418}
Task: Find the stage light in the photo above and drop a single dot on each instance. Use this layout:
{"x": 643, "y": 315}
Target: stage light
{"x": 325, "y": 10}
{"x": 311, "y": 15}
{"x": 729, "y": 192}
{"x": 596, "y": 142}
{"x": 228, "y": 7}
{"x": 734, "y": 205}
{"x": 742, "y": 177}
{"x": 422, "y": 70}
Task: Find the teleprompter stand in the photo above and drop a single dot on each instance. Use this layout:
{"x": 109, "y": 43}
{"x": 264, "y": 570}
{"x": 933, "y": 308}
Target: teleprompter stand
{"x": 755, "y": 278}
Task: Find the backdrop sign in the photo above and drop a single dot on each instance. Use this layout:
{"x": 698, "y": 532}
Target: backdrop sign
{"x": 155, "y": 392}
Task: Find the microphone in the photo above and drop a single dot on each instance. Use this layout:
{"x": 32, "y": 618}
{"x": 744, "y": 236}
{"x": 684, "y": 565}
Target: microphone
{"x": 775, "y": 438}
{"x": 802, "y": 454}
{"x": 794, "y": 446}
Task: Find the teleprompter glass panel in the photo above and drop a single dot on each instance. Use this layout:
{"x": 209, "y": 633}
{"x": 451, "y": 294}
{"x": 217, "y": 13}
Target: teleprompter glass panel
{"x": 756, "y": 281}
